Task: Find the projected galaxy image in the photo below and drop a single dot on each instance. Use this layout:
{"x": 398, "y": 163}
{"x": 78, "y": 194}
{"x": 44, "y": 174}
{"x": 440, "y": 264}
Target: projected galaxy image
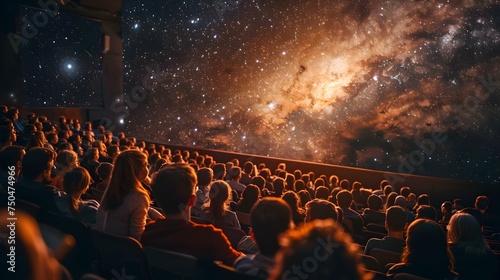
{"x": 408, "y": 86}
{"x": 61, "y": 61}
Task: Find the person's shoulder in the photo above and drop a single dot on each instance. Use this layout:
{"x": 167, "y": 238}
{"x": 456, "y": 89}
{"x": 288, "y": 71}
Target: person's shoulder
{"x": 397, "y": 268}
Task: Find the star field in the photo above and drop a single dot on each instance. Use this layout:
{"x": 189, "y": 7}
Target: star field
{"x": 62, "y": 62}
{"x": 356, "y": 83}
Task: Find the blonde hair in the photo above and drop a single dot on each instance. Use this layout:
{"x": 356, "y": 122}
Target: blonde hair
{"x": 464, "y": 230}
{"x": 125, "y": 178}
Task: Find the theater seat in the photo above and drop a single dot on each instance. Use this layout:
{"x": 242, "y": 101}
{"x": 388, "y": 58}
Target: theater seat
{"x": 119, "y": 255}
{"x": 385, "y": 257}
{"x": 165, "y": 264}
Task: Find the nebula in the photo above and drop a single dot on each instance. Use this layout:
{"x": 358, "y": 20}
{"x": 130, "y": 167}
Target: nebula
{"x": 356, "y": 83}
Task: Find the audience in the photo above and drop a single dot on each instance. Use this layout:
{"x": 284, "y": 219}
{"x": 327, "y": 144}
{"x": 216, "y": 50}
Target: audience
{"x": 373, "y": 213}
{"x": 216, "y": 210}
{"x": 344, "y": 201}
{"x": 234, "y": 181}
{"x": 426, "y": 253}
{"x": 104, "y": 172}
{"x": 125, "y": 205}
{"x": 11, "y": 162}
{"x": 174, "y": 188}
{"x": 270, "y": 217}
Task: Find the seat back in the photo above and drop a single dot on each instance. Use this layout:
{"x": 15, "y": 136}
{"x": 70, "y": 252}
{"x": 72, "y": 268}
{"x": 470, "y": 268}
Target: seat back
{"x": 165, "y": 264}
{"x": 79, "y": 260}
{"x": 233, "y": 234}
{"x": 376, "y": 228}
{"x": 385, "y": 257}
{"x": 244, "y": 218}
{"x": 370, "y": 263}
{"x": 197, "y": 220}
{"x": 120, "y": 255}
{"x": 28, "y": 207}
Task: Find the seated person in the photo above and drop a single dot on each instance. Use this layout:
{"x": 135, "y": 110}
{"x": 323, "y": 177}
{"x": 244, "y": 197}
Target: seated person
{"x": 320, "y": 209}
{"x": 401, "y": 202}
{"x": 426, "y": 212}
{"x": 34, "y": 186}
{"x": 395, "y": 224}
{"x": 205, "y": 176}
{"x": 319, "y": 249}
{"x": 76, "y": 182}
{"x": 104, "y": 172}
{"x": 426, "y": 253}
{"x": 344, "y": 200}
{"x": 216, "y": 210}
{"x": 249, "y": 197}
{"x": 269, "y": 218}
{"x": 373, "y": 213}
{"x": 489, "y": 219}
{"x": 473, "y": 257}
{"x": 12, "y": 156}
{"x": 235, "y": 177}
{"x": 173, "y": 189}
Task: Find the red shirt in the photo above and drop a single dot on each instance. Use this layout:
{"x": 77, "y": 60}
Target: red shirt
{"x": 190, "y": 238}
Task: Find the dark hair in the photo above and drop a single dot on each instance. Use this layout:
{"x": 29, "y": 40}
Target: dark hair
{"x": 405, "y": 191}
{"x": 388, "y": 189}
{"x": 249, "y": 197}
{"x": 259, "y": 181}
{"x": 320, "y": 209}
{"x": 482, "y": 202}
{"x": 375, "y": 202}
{"x": 219, "y": 171}
{"x": 269, "y": 218}
{"x": 205, "y": 176}
{"x": 76, "y": 182}
{"x": 278, "y": 186}
{"x": 426, "y": 212}
{"x": 173, "y": 186}
{"x": 219, "y": 197}
{"x": 322, "y": 192}
{"x": 235, "y": 172}
{"x": 10, "y": 155}
{"x": 299, "y": 185}
{"x": 427, "y": 247}
{"x": 390, "y": 200}
{"x": 344, "y": 199}
{"x": 395, "y": 216}
{"x": 36, "y": 161}
{"x": 292, "y": 199}
{"x": 247, "y": 167}
{"x": 104, "y": 170}
{"x": 304, "y": 197}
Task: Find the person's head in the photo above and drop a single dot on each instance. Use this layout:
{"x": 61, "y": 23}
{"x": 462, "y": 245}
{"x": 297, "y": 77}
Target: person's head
{"x": 219, "y": 171}
{"x": 66, "y": 160}
{"x": 375, "y": 202}
{"x": 400, "y": 201}
{"x": 113, "y": 151}
{"x": 299, "y": 185}
{"x": 269, "y": 218}
{"x": 446, "y": 207}
{"x": 395, "y": 219}
{"x": 383, "y": 183}
{"x": 463, "y": 229}
{"x": 205, "y": 176}
{"x": 130, "y": 169}
{"x": 405, "y": 191}
{"x": 345, "y": 184}
{"x": 458, "y": 204}
{"x": 292, "y": 199}
{"x": 36, "y": 139}
{"x": 279, "y": 185}
{"x": 344, "y": 199}
{"x": 250, "y": 194}
{"x": 320, "y": 209}
{"x": 318, "y": 250}
{"x": 219, "y": 197}
{"x": 76, "y": 182}
{"x": 297, "y": 174}
{"x": 412, "y": 198}
{"x": 173, "y": 188}
{"x": 235, "y": 173}
{"x": 482, "y": 203}
{"x": 388, "y": 189}
{"x": 426, "y": 212}
{"x": 104, "y": 170}
{"x": 12, "y": 156}
{"x": 38, "y": 164}
{"x": 304, "y": 197}
{"x": 248, "y": 167}
{"x": 52, "y": 138}
{"x": 322, "y": 193}
{"x": 319, "y": 182}
{"x": 391, "y": 198}
{"x": 334, "y": 181}
{"x": 423, "y": 199}
{"x": 259, "y": 181}
{"x": 427, "y": 247}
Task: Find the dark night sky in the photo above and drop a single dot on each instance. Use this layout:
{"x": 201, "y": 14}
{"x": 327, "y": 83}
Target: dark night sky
{"x": 356, "y": 83}
{"x": 62, "y": 62}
